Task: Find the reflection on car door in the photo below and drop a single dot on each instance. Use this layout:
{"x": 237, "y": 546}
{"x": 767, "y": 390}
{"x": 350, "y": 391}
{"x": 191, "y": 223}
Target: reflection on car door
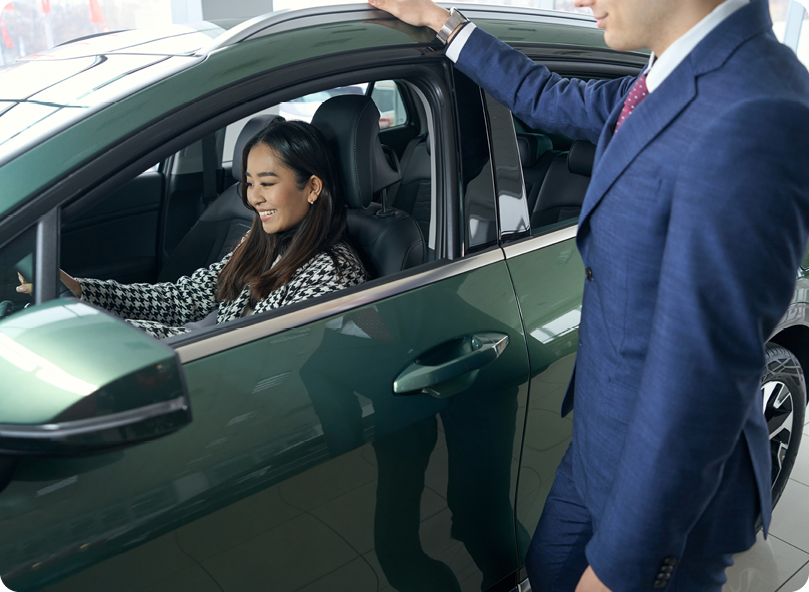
{"x": 302, "y": 469}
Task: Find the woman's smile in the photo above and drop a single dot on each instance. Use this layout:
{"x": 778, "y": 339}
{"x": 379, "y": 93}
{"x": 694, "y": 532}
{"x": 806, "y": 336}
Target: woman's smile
{"x": 266, "y": 214}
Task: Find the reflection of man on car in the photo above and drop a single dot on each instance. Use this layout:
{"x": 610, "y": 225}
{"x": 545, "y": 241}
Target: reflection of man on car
{"x": 296, "y": 249}
{"x": 478, "y": 425}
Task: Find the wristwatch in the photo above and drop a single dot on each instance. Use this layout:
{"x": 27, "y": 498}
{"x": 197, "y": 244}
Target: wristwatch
{"x": 455, "y": 20}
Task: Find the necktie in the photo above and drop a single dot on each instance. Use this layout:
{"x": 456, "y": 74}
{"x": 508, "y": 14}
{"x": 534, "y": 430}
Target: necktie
{"x": 633, "y": 99}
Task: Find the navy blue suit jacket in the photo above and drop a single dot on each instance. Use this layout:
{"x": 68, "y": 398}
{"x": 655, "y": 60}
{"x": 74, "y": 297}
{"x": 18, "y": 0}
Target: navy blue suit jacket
{"x": 693, "y": 226}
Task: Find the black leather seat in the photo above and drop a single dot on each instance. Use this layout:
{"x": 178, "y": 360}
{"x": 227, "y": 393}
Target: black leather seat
{"x": 389, "y": 238}
{"x": 536, "y": 156}
{"x": 414, "y": 192}
{"x": 565, "y": 185}
{"x": 223, "y": 222}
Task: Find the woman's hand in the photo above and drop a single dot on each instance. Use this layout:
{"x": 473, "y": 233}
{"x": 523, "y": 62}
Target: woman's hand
{"x": 419, "y": 13}
{"x": 28, "y": 288}
{"x": 24, "y": 287}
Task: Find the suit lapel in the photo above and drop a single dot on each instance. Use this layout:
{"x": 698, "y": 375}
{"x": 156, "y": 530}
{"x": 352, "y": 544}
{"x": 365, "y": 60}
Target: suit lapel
{"x": 648, "y": 119}
{"x": 617, "y": 151}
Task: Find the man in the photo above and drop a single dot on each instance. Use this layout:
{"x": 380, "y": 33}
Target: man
{"x": 691, "y": 234}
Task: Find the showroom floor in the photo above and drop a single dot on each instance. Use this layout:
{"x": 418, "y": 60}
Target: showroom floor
{"x": 781, "y": 563}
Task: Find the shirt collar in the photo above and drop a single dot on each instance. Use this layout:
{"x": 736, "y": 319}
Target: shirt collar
{"x": 659, "y": 67}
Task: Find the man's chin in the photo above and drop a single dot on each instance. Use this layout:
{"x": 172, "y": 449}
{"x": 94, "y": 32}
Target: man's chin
{"x": 619, "y": 42}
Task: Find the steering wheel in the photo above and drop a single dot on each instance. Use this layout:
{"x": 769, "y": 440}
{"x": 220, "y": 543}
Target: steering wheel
{"x": 6, "y": 308}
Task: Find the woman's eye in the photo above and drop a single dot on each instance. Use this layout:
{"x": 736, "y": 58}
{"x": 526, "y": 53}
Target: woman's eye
{"x": 267, "y": 184}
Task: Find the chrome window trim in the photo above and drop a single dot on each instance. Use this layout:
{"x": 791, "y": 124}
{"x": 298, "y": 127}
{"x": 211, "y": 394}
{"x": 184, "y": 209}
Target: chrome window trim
{"x": 78, "y": 427}
{"x": 540, "y": 242}
{"x": 242, "y": 335}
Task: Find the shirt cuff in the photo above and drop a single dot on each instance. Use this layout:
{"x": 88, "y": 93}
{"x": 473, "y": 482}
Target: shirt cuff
{"x": 456, "y": 45}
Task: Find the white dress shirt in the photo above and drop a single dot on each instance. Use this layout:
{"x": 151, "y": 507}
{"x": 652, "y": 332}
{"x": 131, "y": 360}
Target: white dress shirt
{"x": 658, "y": 68}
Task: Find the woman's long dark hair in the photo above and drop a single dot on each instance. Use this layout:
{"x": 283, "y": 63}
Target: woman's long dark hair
{"x": 303, "y": 149}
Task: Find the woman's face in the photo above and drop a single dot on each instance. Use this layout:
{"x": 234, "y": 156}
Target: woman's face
{"x": 272, "y": 190}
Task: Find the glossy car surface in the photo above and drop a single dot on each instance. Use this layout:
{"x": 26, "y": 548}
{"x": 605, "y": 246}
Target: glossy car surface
{"x": 285, "y": 451}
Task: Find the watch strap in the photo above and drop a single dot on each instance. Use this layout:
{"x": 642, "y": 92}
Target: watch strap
{"x": 455, "y": 20}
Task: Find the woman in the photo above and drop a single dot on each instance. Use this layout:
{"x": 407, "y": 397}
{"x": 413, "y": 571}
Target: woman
{"x": 296, "y": 249}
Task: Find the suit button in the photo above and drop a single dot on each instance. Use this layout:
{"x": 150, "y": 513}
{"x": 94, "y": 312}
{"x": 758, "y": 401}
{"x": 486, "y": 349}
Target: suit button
{"x": 660, "y": 584}
{"x": 672, "y": 561}
{"x": 667, "y": 569}
{"x": 663, "y": 576}
{"x": 588, "y": 273}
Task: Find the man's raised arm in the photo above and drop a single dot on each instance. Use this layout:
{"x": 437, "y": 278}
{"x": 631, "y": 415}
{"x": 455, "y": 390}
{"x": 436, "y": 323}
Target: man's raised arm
{"x": 537, "y": 96}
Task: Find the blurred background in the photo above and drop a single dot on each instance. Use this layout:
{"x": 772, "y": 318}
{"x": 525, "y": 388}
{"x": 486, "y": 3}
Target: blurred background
{"x": 31, "y": 26}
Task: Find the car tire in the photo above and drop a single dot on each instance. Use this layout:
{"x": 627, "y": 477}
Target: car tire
{"x": 783, "y": 390}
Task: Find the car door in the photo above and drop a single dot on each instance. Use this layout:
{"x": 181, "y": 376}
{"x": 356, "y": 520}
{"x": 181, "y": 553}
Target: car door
{"x": 358, "y": 442}
{"x": 547, "y": 274}
{"x": 118, "y": 238}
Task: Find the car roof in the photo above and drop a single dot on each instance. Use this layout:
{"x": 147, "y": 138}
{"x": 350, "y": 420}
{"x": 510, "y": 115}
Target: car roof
{"x": 106, "y": 87}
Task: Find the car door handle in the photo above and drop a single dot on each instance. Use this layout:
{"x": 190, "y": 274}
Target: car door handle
{"x": 449, "y": 361}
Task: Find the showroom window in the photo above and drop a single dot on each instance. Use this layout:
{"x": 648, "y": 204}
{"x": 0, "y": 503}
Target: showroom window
{"x": 789, "y": 25}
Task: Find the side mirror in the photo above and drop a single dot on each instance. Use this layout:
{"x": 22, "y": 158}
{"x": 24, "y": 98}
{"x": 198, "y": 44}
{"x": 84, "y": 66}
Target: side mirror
{"x": 77, "y": 380}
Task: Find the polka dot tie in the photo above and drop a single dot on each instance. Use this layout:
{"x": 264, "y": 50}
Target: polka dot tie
{"x": 636, "y": 95}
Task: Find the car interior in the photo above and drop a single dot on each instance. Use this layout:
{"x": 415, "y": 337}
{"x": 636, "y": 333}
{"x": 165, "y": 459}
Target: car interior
{"x": 556, "y": 172}
{"x": 185, "y": 212}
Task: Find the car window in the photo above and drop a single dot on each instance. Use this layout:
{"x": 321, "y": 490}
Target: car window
{"x": 17, "y": 259}
{"x": 392, "y": 112}
{"x": 385, "y": 94}
{"x": 169, "y": 222}
{"x": 554, "y": 187}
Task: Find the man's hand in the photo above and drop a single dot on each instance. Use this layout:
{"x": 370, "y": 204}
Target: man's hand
{"x": 589, "y": 582}
{"x": 419, "y": 13}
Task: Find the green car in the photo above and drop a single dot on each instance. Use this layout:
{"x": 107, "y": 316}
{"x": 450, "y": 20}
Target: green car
{"x": 401, "y": 434}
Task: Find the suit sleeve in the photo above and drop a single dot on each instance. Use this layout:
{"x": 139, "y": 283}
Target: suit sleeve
{"x": 170, "y": 304}
{"x": 537, "y": 96}
{"x": 735, "y": 237}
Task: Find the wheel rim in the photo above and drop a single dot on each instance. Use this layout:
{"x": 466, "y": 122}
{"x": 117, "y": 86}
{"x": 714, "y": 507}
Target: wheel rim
{"x": 778, "y": 412}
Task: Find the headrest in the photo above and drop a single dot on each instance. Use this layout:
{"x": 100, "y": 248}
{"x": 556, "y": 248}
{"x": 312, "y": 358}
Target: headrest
{"x": 351, "y": 125}
{"x": 532, "y": 146}
{"x": 580, "y": 158}
{"x": 227, "y": 206}
{"x": 255, "y": 125}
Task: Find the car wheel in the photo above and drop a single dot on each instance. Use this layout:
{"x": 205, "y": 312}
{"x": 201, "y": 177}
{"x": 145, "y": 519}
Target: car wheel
{"x": 783, "y": 389}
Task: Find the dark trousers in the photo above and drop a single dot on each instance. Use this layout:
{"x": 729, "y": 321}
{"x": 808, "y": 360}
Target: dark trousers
{"x": 556, "y": 560}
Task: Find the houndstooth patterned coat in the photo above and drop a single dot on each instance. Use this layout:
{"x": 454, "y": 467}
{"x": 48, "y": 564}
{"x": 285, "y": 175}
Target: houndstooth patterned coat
{"x": 162, "y": 309}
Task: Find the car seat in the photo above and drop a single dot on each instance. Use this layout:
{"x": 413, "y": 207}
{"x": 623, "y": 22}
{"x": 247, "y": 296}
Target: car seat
{"x": 565, "y": 185}
{"x": 389, "y": 238}
{"x": 536, "y": 156}
{"x": 413, "y": 194}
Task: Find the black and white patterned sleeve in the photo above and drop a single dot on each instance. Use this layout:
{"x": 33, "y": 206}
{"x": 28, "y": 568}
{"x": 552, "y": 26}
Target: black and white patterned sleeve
{"x": 158, "y": 330}
{"x": 168, "y": 304}
{"x": 320, "y": 276}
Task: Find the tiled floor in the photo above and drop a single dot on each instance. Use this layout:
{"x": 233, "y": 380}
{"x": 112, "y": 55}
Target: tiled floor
{"x": 781, "y": 563}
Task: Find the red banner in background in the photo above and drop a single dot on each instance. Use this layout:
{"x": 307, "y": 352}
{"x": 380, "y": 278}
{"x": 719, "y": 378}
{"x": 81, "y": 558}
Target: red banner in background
{"x": 96, "y": 14}
{"x": 9, "y": 6}
{"x": 6, "y": 38}
{"x": 46, "y": 6}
